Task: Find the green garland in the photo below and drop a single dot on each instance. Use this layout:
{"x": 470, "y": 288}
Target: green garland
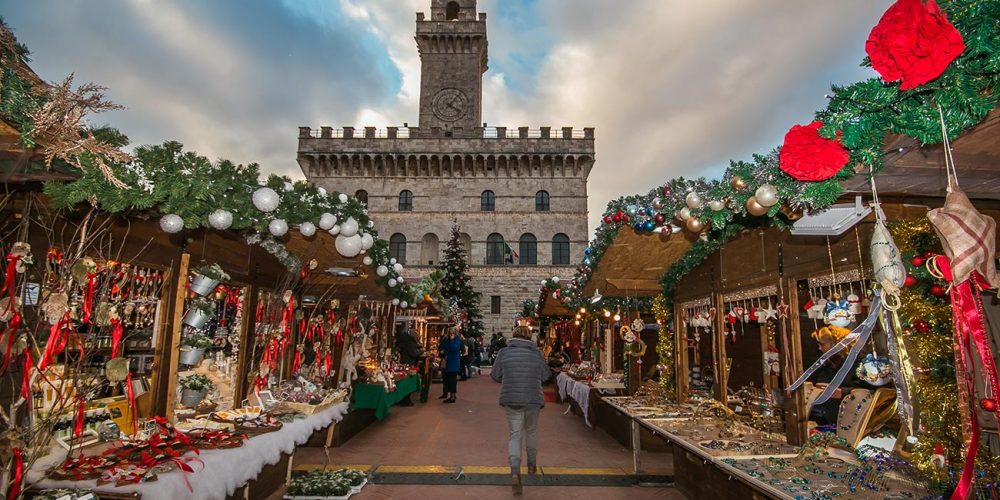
{"x": 864, "y": 112}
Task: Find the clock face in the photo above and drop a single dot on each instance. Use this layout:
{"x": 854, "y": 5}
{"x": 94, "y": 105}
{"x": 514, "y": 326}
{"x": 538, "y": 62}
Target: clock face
{"x": 450, "y": 105}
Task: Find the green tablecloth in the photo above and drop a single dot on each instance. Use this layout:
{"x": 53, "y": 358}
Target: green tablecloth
{"x": 374, "y": 396}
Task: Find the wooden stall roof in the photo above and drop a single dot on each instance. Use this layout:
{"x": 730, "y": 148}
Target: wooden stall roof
{"x": 633, "y": 263}
{"x": 553, "y": 308}
{"x": 918, "y": 171}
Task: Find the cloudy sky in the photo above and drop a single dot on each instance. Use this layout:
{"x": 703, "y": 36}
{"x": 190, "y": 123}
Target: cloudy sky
{"x": 673, "y": 87}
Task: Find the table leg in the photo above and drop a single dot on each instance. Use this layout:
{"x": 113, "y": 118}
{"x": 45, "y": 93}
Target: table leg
{"x": 636, "y": 446}
{"x": 329, "y": 435}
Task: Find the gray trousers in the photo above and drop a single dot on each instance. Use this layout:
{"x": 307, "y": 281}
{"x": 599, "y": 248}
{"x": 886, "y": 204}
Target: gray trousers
{"x": 522, "y": 420}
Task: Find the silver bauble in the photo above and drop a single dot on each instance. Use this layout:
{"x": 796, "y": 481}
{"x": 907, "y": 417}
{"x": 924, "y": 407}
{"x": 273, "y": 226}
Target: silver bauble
{"x": 367, "y": 261}
{"x": 382, "y": 271}
{"x": 220, "y": 219}
{"x": 266, "y": 199}
{"x": 348, "y": 246}
{"x": 327, "y": 221}
{"x": 684, "y": 214}
{"x": 766, "y": 195}
{"x": 367, "y": 241}
{"x": 716, "y": 205}
{"x": 171, "y": 223}
{"x": 693, "y": 200}
{"x": 335, "y": 230}
{"x": 349, "y": 227}
{"x": 278, "y": 227}
{"x": 308, "y": 229}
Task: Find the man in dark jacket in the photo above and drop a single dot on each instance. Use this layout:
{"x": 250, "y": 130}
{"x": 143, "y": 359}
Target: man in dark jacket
{"x": 521, "y": 370}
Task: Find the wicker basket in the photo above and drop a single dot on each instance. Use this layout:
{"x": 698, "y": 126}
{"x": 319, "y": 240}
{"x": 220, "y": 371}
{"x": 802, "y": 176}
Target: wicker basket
{"x": 308, "y": 409}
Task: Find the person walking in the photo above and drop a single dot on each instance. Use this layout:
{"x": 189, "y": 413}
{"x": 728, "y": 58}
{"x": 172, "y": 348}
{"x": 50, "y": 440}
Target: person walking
{"x": 521, "y": 370}
{"x": 453, "y": 363}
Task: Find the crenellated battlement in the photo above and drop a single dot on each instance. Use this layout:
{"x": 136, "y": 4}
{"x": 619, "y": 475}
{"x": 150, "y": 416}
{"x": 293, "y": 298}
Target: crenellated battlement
{"x": 439, "y": 133}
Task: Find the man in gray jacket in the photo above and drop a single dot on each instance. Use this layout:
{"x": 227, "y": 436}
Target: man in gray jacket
{"x": 521, "y": 370}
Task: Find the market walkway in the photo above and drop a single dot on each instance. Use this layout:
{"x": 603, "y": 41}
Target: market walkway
{"x": 473, "y": 432}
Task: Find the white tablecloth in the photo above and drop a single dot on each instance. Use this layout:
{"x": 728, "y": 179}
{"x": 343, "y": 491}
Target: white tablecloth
{"x": 224, "y": 471}
{"x": 577, "y": 391}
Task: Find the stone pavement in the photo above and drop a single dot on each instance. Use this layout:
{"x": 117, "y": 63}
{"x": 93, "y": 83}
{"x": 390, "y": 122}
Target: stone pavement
{"x": 473, "y": 432}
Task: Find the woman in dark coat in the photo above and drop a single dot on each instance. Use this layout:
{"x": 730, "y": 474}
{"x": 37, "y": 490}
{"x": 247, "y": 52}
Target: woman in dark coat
{"x": 453, "y": 364}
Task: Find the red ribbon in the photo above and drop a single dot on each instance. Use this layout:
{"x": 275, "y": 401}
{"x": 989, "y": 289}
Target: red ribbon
{"x": 78, "y": 428}
{"x": 969, "y": 328}
{"x": 26, "y": 378}
{"x": 11, "y": 333}
{"x": 58, "y": 335}
{"x": 297, "y": 361}
{"x": 11, "y": 273}
{"x": 116, "y": 337}
{"x": 15, "y": 485}
{"x": 88, "y": 298}
{"x": 130, "y": 392}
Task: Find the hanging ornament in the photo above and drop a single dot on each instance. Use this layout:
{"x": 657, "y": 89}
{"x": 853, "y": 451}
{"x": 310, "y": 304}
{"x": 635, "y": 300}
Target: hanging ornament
{"x": 278, "y": 227}
{"x": 716, "y": 205}
{"x": 382, "y": 271}
{"x": 392, "y": 283}
{"x": 657, "y": 203}
{"x": 171, "y": 223}
{"x": 766, "y": 195}
{"x": 308, "y": 229}
{"x": 755, "y": 208}
{"x": 349, "y": 227}
{"x": 321, "y": 191}
{"x": 617, "y": 217}
{"x": 395, "y": 302}
{"x": 404, "y": 304}
{"x": 631, "y": 209}
{"x": 988, "y": 404}
{"x": 220, "y": 219}
{"x": 342, "y": 197}
{"x": 348, "y": 246}
{"x": 792, "y": 215}
{"x": 648, "y": 225}
{"x": 327, "y": 221}
{"x": 938, "y": 290}
{"x": 737, "y": 183}
{"x": 909, "y": 281}
{"x": 392, "y": 260}
{"x": 637, "y": 227}
{"x": 695, "y": 225}
{"x": 397, "y": 267}
{"x": 335, "y": 230}
{"x": 367, "y": 261}
{"x": 366, "y": 241}
{"x": 266, "y": 199}
{"x": 288, "y": 186}
{"x": 684, "y": 214}
{"x": 693, "y": 200}
{"x": 659, "y": 219}
{"x": 917, "y": 261}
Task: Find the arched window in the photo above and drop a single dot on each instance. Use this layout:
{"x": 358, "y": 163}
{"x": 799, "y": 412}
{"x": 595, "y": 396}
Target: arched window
{"x": 466, "y": 242}
{"x": 528, "y": 250}
{"x": 487, "y": 202}
{"x": 405, "y": 201}
{"x": 495, "y": 250}
{"x": 560, "y": 250}
{"x": 362, "y": 196}
{"x": 429, "y": 250}
{"x": 397, "y": 248}
{"x": 451, "y": 11}
{"x": 542, "y": 201}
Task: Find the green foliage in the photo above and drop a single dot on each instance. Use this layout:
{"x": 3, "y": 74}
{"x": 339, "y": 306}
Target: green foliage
{"x": 212, "y": 271}
{"x": 456, "y": 285}
{"x": 196, "y": 382}
{"x": 205, "y": 306}
{"x": 197, "y": 341}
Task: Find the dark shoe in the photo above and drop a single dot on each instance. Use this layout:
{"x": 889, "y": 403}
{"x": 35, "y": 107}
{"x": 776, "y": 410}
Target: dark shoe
{"x": 445, "y": 395}
{"x": 516, "y": 486}
{"x": 532, "y": 469}
{"x": 450, "y": 400}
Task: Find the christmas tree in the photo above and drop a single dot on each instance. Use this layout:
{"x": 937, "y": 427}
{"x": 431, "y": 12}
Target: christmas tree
{"x": 456, "y": 287}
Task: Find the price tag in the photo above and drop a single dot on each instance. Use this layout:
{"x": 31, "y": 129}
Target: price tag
{"x": 739, "y": 409}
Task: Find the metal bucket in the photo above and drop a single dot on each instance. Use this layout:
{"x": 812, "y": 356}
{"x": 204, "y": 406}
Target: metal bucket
{"x": 195, "y": 318}
{"x": 191, "y": 356}
{"x": 203, "y": 285}
{"x": 191, "y": 398}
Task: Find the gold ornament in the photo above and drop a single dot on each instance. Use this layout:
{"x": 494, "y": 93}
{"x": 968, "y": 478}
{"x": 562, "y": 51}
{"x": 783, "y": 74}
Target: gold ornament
{"x": 695, "y": 225}
{"x": 116, "y": 370}
{"x": 55, "y": 307}
{"x": 792, "y": 215}
{"x": 737, "y": 183}
{"x": 755, "y": 208}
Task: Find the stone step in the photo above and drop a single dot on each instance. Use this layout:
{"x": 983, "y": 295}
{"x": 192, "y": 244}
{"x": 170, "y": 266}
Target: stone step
{"x": 498, "y": 476}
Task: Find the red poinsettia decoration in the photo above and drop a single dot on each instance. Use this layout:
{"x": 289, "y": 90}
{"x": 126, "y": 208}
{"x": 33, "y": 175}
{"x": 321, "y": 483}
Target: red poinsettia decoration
{"x": 914, "y": 43}
{"x": 807, "y": 156}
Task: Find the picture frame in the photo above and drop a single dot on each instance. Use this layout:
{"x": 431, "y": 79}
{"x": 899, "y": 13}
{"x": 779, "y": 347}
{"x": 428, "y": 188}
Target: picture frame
{"x": 86, "y": 438}
{"x": 266, "y": 399}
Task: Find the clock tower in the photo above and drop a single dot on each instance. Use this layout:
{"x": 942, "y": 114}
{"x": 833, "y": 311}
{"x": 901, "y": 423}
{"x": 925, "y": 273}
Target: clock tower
{"x": 453, "y": 57}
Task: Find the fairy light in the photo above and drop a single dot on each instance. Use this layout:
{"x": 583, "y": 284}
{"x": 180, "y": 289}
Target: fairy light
{"x": 607, "y": 313}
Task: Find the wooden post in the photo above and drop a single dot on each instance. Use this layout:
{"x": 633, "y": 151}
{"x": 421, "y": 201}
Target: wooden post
{"x": 248, "y": 325}
{"x": 796, "y": 417}
{"x": 162, "y": 355}
{"x": 721, "y": 370}
{"x": 167, "y": 361}
{"x": 680, "y": 355}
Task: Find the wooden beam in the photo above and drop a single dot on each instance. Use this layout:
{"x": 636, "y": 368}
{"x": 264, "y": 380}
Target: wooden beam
{"x": 721, "y": 368}
{"x": 248, "y": 325}
{"x": 635, "y": 285}
{"x": 172, "y": 338}
{"x": 796, "y": 417}
{"x": 680, "y": 355}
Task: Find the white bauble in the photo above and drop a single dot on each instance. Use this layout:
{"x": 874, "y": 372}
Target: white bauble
{"x": 367, "y": 241}
{"x": 545, "y": 282}
{"x": 327, "y": 221}
{"x": 693, "y": 200}
{"x": 349, "y": 227}
{"x": 400, "y": 280}
{"x": 367, "y": 261}
{"x": 266, "y": 199}
{"x": 395, "y": 302}
{"x": 382, "y": 271}
{"x": 348, "y": 246}
{"x": 342, "y": 198}
{"x": 392, "y": 283}
{"x": 278, "y": 227}
{"x": 307, "y": 229}
{"x": 766, "y": 195}
{"x": 289, "y": 186}
{"x": 716, "y": 205}
{"x": 371, "y": 223}
{"x": 684, "y": 213}
{"x": 404, "y": 304}
{"x": 555, "y": 279}
{"x": 220, "y": 219}
{"x": 657, "y": 203}
{"x": 335, "y": 230}
{"x": 397, "y": 267}
{"x": 321, "y": 191}
{"x": 171, "y": 223}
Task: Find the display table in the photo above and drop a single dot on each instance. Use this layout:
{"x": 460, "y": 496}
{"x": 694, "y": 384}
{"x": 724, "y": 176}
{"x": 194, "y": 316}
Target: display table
{"x": 375, "y": 397}
{"x": 224, "y": 471}
{"x": 578, "y": 392}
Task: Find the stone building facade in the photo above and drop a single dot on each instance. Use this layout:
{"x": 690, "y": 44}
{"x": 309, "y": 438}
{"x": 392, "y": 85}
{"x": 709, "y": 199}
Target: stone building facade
{"x": 525, "y": 188}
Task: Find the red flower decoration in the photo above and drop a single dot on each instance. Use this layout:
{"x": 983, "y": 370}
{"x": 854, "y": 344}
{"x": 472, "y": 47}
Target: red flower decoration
{"x": 807, "y": 156}
{"x": 914, "y": 43}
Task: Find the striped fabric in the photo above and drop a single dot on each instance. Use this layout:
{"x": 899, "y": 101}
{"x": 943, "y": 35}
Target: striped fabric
{"x": 968, "y": 236}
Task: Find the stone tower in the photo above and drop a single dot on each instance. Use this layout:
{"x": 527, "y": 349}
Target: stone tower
{"x": 523, "y": 189}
